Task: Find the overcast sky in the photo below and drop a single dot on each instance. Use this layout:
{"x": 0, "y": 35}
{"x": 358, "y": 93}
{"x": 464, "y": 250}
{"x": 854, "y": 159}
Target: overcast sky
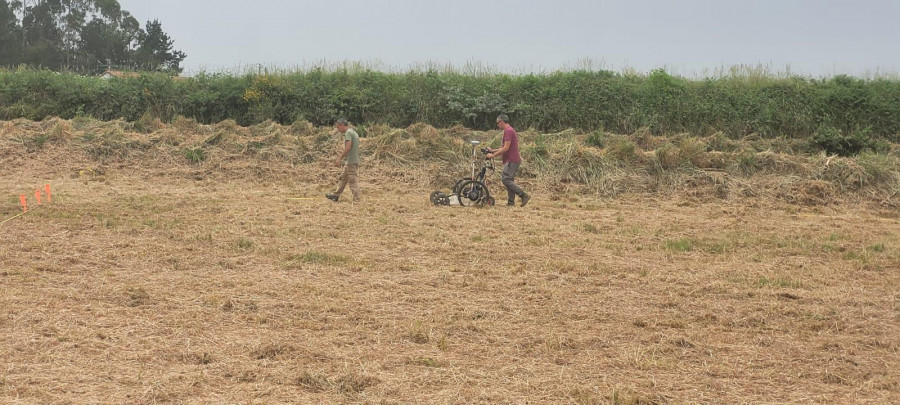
{"x": 688, "y": 37}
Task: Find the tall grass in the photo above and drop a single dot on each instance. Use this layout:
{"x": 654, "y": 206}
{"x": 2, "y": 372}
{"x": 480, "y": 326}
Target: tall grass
{"x": 737, "y": 102}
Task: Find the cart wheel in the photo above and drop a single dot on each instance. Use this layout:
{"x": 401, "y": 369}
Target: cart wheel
{"x": 472, "y": 192}
{"x": 436, "y": 197}
{"x": 457, "y": 184}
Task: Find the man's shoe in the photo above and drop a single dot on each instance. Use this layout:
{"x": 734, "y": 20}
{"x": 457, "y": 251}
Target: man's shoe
{"x": 511, "y": 204}
{"x": 525, "y": 198}
{"x": 331, "y": 197}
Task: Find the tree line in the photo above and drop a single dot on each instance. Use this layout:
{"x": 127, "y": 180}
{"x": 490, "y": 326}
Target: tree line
{"x": 82, "y": 36}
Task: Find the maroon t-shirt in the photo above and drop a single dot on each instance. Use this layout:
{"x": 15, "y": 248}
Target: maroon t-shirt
{"x": 512, "y": 154}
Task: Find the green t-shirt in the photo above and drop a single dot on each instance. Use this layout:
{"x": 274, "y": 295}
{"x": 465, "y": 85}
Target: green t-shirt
{"x": 353, "y": 137}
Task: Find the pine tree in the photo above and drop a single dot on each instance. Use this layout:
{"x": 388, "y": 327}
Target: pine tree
{"x": 154, "y": 51}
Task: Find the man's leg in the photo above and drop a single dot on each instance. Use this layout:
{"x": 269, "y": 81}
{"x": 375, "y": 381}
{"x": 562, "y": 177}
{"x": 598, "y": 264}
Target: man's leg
{"x": 508, "y": 179}
{"x": 341, "y": 184}
{"x": 345, "y": 178}
{"x": 353, "y": 180}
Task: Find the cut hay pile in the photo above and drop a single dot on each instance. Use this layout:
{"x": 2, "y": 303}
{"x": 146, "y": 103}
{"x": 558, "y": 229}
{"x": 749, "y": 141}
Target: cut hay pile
{"x": 602, "y": 164}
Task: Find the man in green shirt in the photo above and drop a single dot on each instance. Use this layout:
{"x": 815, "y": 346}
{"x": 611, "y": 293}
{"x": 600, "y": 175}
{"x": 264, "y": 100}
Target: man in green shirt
{"x": 351, "y": 154}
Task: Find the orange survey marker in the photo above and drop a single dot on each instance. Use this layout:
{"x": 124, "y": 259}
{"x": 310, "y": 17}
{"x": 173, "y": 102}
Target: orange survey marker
{"x": 24, "y": 203}
{"x": 47, "y": 189}
{"x": 37, "y": 195}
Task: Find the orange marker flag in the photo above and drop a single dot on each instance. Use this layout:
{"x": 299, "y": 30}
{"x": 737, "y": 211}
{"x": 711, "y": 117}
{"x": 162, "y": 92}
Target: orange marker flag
{"x": 37, "y": 195}
{"x": 24, "y": 204}
{"x": 47, "y": 189}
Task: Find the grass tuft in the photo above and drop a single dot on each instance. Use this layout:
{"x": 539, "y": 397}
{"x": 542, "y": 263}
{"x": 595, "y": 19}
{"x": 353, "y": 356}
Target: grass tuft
{"x": 270, "y": 351}
{"x": 136, "y": 296}
{"x": 312, "y": 382}
{"x": 418, "y": 333}
{"x": 195, "y": 155}
{"x": 354, "y": 383}
{"x": 426, "y": 362}
{"x": 315, "y": 257}
{"x": 681, "y": 244}
{"x": 244, "y": 243}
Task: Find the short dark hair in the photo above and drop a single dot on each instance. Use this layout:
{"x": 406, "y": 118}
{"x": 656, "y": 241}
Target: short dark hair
{"x": 342, "y": 121}
{"x": 504, "y": 118}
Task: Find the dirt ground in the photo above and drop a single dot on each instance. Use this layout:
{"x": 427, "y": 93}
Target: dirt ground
{"x": 183, "y": 285}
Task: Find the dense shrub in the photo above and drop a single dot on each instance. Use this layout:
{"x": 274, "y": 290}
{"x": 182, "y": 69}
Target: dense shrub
{"x": 835, "y": 141}
{"x": 659, "y": 103}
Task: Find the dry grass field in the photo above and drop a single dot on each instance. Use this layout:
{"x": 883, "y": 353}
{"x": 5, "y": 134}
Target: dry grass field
{"x": 158, "y": 280}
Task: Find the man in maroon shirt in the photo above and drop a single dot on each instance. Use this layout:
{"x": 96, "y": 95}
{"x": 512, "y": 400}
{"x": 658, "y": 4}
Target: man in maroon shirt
{"x": 511, "y": 161}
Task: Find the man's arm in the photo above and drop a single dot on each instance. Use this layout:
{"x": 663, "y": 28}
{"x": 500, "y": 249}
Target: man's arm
{"x": 499, "y": 151}
{"x": 347, "y": 146}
